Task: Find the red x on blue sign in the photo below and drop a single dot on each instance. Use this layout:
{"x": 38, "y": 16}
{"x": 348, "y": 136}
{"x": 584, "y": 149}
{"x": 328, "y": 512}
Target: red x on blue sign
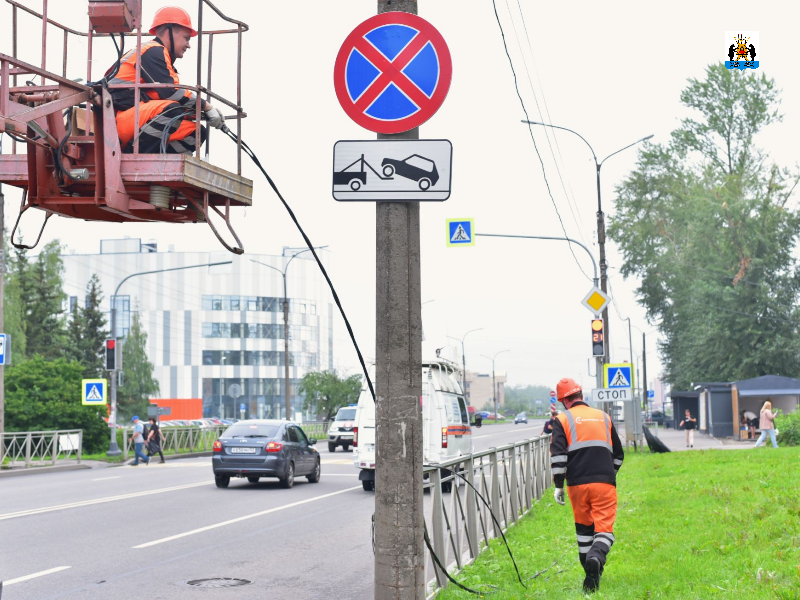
{"x": 392, "y": 72}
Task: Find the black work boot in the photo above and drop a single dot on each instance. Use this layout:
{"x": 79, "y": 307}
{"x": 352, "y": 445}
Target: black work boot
{"x": 593, "y": 570}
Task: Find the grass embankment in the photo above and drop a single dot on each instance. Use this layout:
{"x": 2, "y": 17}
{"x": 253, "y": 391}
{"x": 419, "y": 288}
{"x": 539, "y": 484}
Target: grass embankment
{"x": 704, "y": 524}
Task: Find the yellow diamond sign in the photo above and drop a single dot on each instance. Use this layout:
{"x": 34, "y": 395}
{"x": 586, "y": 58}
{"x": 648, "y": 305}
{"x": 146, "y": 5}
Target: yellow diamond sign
{"x": 596, "y": 300}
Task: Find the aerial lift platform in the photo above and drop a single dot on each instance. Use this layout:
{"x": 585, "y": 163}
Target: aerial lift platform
{"x": 73, "y": 164}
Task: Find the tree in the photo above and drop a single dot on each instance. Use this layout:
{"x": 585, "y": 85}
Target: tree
{"x": 704, "y": 222}
{"x": 327, "y": 389}
{"x": 86, "y": 331}
{"x": 45, "y": 395}
{"x": 42, "y": 286}
{"x": 14, "y": 309}
{"x": 139, "y": 385}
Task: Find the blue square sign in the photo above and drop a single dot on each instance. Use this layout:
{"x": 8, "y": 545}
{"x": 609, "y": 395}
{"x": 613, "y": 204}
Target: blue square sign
{"x": 618, "y": 376}
{"x": 460, "y": 232}
{"x": 93, "y": 391}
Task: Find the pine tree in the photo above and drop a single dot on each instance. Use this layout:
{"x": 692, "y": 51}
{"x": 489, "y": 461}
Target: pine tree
{"x": 43, "y": 288}
{"x": 86, "y": 331}
{"x": 15, "y": 311}
{"x": 138, "y": 382}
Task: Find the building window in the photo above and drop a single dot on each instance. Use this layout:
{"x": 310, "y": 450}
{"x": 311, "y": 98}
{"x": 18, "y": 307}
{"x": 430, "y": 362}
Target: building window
{"x": 73, "y": 303}
{"x": 258, "y": 358}
{"x": 258, "y": 304}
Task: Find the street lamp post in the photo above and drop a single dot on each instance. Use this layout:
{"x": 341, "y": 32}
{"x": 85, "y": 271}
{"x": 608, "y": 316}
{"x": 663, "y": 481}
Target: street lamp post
{"x": 221, "y": 383}
{"x": 464, "y": 360}
{"x": 113, "y": 447}
{"x": 287, "y": 397}
{"x": 601, "y": 222}
{"x": 494, "y": 382}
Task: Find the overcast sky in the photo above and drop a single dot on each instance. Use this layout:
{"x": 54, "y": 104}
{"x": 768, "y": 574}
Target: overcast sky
{"x": 612, "y": 71}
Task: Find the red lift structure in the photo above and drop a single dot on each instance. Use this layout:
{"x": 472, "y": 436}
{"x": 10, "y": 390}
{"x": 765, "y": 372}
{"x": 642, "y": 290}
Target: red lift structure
{"x": 73, "y": 164}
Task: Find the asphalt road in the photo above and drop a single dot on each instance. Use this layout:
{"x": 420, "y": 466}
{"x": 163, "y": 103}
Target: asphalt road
{"x": 145, "y": 532}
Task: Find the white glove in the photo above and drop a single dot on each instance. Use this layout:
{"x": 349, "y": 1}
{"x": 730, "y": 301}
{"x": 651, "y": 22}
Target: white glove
{"x": 559, "y": 496}
{"x": 215, "y": 118}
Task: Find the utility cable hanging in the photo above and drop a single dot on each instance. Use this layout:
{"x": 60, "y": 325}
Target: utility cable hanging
{"x": 533, "y": 139}
{"x": 338, "y": 302}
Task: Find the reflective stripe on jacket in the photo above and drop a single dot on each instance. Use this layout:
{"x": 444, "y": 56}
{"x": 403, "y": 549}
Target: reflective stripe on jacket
{"x": 156, "y": 68}
{"x": 584, "y": 447}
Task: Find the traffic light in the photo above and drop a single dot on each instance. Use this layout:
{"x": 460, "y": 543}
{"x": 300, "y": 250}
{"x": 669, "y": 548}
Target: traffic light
{"x": 598, "y": 340}
{"x": 111, "y": 355}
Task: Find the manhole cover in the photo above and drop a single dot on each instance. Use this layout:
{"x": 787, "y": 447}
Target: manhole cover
{"x": 218, "y": 582}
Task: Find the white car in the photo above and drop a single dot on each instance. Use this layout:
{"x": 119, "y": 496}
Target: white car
{"x": 340, "y": 433}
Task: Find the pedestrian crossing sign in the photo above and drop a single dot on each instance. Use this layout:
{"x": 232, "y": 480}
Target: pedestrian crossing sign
{"x": 618, "y": 376}
{"x": 94, "y": 391}
{"x": 460, "y": 232}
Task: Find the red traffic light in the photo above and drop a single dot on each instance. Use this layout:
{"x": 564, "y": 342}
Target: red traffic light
{"x": 111, "y": 344}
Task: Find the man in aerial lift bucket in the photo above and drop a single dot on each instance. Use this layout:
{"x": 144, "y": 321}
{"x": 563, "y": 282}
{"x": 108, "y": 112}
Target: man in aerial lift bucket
{"x": 160, "y": 109}
{"x": 586, "y": 451}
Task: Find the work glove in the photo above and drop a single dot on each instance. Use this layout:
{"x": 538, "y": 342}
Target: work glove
{"x": 559, "y": 496}
{"x": 215, "y": 118}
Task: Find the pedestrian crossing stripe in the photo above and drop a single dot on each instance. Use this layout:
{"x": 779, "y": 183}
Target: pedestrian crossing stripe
{"x": 618, "y": 376}
{"x": 93, "y": 391}
{"x": 460, "y": 232}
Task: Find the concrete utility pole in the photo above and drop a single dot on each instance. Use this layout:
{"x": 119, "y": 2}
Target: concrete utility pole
{"x": 399, "y": 521}
{"x": 645, "y": 400}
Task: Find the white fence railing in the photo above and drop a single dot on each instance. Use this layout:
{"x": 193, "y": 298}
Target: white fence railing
{"x": 39, "y": 448}
{"x": 458, "y": 523}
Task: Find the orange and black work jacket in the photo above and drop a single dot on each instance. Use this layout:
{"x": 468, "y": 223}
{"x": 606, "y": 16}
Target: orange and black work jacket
{"x": 584, "y": 447}
{"x": 156, "y": 68}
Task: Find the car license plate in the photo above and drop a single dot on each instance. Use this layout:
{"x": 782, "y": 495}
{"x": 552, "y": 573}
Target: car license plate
{"x": 243, "y": 450}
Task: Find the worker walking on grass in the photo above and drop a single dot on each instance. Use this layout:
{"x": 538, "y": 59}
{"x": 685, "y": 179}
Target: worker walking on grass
{"x": 165, "y": 114}
{"x": 586, "y": 451}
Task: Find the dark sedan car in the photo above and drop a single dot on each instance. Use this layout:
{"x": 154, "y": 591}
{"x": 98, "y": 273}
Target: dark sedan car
{"x": 521, "y": 418}
{"x": 258, "y": 448}
{"x": 415, "y": 167}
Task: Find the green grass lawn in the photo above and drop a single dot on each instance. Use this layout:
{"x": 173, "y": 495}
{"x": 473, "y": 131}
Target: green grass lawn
{"x": 704, "y": 524}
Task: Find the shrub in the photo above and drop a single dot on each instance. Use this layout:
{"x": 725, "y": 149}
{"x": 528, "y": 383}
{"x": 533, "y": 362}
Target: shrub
{"x": 789, "y": 428}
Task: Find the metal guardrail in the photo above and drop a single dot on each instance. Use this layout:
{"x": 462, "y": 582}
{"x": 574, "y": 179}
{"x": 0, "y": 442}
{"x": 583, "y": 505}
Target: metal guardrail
{"x": 39, "y": 448}
{"x": 510, "y": 478}
{"x": 316, "y": 429}
{"x": 179, "y": 440}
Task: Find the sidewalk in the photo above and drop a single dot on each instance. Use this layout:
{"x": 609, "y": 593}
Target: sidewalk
{"x": 676, "y": 441}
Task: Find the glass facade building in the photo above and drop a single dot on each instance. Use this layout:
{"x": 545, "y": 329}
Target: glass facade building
{"x": 216, "y": 333}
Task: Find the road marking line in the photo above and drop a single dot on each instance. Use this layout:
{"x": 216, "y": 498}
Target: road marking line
{"x": 36, "y": 511}
{"x": 244, "y": 518}
{"x": 34, "y": 575}
{"x": 107, "y": 478}
{"x": 340, "y": 474}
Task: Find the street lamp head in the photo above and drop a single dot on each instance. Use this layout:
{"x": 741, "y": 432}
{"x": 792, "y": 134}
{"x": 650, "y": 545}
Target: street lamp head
{"x": 647, "y": 138}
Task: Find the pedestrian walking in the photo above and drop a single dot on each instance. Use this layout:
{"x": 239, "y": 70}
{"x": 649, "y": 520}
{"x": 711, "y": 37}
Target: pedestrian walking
{"x": 548, "y": 425}
{"x": 766, "y": 424}
{"x": 689, "y": 425}
{"x": 138, "y": 442}
{"x": 586, "y": 452}
{"x": 154, "y": 439}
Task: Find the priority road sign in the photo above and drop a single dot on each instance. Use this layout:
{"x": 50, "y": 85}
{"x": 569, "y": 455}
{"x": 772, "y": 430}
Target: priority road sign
{"x": 618, "y": 376}
{"x": 460, "y": 232}
{"x": 392, "y": 72}
{"x": 596, "y": 300}
{"x": 94, "y": 391}
{"x": 392, "y": 170}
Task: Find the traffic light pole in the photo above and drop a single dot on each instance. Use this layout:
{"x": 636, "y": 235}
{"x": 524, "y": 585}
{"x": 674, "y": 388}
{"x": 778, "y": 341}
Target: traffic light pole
{"x": 113, "y": 447}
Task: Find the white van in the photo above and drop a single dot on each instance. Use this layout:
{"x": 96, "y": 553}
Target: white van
{"x": 446, "y": 432}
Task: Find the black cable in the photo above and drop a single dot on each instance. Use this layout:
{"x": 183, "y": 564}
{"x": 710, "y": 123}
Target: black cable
{"x": 338, "y": 302}
{"x": 442, "y": 568}
{"x": 499, "y": 527}
{"x": 533, "y": 139}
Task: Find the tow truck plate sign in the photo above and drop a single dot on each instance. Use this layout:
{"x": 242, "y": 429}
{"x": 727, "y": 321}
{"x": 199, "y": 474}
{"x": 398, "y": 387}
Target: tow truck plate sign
{"x": 392, "y": 170}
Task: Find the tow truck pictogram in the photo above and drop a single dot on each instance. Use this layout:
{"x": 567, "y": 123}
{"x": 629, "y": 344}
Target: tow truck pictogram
{"x": 355, "y": 179}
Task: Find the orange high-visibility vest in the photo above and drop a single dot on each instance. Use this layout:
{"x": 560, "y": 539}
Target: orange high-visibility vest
{"x": 586, "y": 427}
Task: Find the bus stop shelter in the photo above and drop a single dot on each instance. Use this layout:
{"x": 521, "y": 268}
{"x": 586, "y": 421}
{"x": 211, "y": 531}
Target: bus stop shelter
{"x": 750, "y": 394}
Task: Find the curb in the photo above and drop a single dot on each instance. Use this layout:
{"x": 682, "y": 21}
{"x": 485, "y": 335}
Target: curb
{"x": 171, "y": 457}
{"x": 19, "y": 472}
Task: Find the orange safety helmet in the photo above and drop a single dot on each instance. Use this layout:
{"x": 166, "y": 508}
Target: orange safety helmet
{"x": 566, "y": 388}
{"x": 172, "y": 15}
